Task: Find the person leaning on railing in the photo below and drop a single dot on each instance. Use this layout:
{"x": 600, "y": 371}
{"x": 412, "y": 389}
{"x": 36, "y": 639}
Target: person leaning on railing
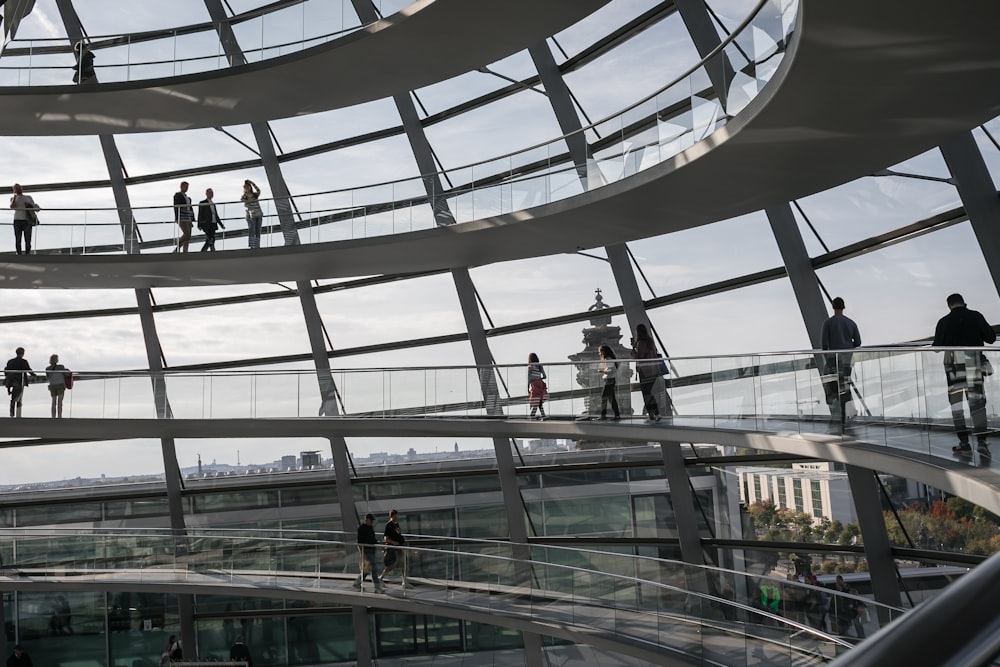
{"x": 15, "y": 378}
{"x": 24, "y": 218}
{"x": 83, "y": 71}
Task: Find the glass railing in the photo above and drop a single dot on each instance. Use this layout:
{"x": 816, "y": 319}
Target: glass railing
{"x": 677, "y": 610}
{"x": 815, "y": 606}
{"x": 267, "y": 33}
{"x": 894, "y": 397}
{"x": 645, "y": 134}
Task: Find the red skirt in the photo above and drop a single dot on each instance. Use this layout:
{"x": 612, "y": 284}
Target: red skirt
{"x": 537, "y": 392}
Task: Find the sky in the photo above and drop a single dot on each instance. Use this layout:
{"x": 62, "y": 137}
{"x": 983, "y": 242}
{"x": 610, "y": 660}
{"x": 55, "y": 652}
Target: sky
{"x": 895, "y": 294}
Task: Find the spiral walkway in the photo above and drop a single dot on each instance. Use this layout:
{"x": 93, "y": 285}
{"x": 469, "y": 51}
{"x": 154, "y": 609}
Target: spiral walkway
{"x": 846, "y": 51}
{"x": 441, "y": 39}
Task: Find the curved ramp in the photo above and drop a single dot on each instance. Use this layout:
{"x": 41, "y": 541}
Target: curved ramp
{"x": 659, "y": 637}
{"x": 863, "y": 85}
{"x": 426, "y": 42}
{"x": 977, "y": 484}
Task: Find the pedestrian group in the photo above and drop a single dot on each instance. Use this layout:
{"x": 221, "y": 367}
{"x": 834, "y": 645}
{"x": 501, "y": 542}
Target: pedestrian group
{"x": 208, "y": 219}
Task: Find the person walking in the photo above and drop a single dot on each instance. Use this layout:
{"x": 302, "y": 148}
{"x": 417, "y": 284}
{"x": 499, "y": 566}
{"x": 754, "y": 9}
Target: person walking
{"x": 839, "y": 333}
{"x": 183, "y": 216}
{"x": 57, "y": 375}
{"x": 15, "y": 378}
{"x": 366, "y": 548}
{"x": 609, "y": 373}
{"x": 208, "y": 220}
{"x": 83, "y": 71}
{"x": 240, "y": 652}
{"x": 255, "y": 216}
{"x": 24, "y": 218}
{"x": 537, "y": 390}
{"x": 963, "y": 327}
{"x": 648, "y": 367}
{"x": 392, "y": 537}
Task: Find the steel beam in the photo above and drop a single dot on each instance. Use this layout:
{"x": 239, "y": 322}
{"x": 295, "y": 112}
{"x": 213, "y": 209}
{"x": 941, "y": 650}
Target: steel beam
{"x": 702, "y": 30}
{"x": 800, "y": 270}
{"x": 979, "y": 196}
{"x": 878, "y": 550}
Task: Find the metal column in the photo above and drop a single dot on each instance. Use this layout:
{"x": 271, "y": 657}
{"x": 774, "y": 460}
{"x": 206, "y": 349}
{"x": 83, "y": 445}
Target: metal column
{"x": 699, "y": 25}
{"x": 800, "y": 270}
{"x": 682, "y": 499}
{"x": 979, "y": 196}
{"x": 878, "y": 550}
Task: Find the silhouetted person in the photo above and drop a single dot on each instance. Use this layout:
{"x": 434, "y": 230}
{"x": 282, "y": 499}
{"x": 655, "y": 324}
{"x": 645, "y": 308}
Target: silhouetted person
{"x": 24, "y": 209}
{"x": 57, "y": 374}
{"x": 255, "y": 215}
{"x": 537, "y": 390}
{"x": 366, "y": 547}
{"x": 962, "y": 327}
{"x": 19, "y": 658}
{"x": 15, "y": 378}
{"x": 208, "y": 220}
{"x": 392, "y": 536}
{"x": 183, "y": 216}
{"x": 240, "y": 653}
{"x": 83, "y": 71}
{"x": 649, "y": 369}
{"x": 839, "y": 333}
{"x": 609, "y": 374}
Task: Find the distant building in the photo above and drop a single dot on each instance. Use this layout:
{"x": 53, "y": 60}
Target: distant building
{"x": 819, "y": 489}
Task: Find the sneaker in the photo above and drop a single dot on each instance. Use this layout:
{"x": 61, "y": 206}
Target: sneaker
{"x": 656, "y": 418}
{"x": 962, "y": 449}
{"x": 984, "y": 451}
{"x": 618, "y": 418}
{"x": 357, "y": 586}
{"x": 603, "y": 418}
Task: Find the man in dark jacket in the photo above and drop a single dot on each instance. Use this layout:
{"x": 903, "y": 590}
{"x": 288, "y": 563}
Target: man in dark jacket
{"x": 366, "y": 547}
{"x": 962, "y": 327}
{"x": 15, "y": 378}
{"x": 240, "y": 653}
{"x": 19, "y": 658}
{"x": 208, "y": 220}
{"x": 839, "y": 333}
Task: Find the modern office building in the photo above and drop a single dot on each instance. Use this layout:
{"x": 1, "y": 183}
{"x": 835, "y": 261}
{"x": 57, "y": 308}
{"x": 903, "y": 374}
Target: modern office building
{"x": 295, "y": 255}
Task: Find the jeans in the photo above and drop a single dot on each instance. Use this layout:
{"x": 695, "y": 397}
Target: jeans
{"x": 368, "y": 565}
{"x": 976, "y": 396}
{"x": 650, "y": 405}
{"x": 22, "y": 228}
{"x": 837, "y": 386}
{"x": 254, "y": 223}
{"x": 609, "y": 395}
